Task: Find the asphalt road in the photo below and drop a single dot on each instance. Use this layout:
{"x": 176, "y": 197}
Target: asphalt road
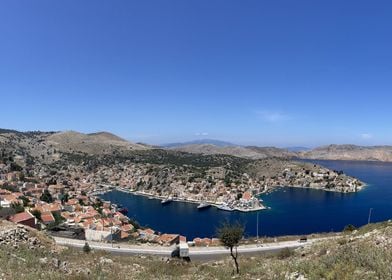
{"x": 195, "y": 253}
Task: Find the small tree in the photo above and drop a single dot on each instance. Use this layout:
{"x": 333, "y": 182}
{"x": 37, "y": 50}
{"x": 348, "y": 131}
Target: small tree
{"x": 46, "y": 196}
{"x": 86, "y": 248}
{"x": 36, "y": 213}
{"x": 349, "y": 228}
{"x": 25, "y": 200}
{"x": 17, "y": 207}
{"x": 230, "y": 235}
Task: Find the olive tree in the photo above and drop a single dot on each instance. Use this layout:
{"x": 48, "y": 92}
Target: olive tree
{"x": 230, "y": 235}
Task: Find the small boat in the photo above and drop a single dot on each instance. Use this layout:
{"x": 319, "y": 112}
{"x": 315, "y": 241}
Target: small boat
{"x": 203, "y": 205}
{"x": 167, "y": 200}
{"x": 225, "y": 207}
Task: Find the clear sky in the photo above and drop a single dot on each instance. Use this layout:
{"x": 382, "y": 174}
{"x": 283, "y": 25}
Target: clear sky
{"x": 282, "y": 73}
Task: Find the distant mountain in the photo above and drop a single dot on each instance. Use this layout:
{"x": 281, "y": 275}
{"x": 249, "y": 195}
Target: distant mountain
{"x": 298, "y": 149}
{"x": 350, "y": 152}
{"x": 272, "y": 152}
{"x": 238, "y": 151}
{"x": 214, "y": 142}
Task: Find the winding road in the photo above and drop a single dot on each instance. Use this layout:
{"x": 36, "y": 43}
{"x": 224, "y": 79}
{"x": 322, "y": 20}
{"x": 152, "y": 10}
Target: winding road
{"x": 195, "y": 253}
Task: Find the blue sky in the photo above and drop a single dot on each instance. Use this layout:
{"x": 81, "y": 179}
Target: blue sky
{"x": 282, "y": 73}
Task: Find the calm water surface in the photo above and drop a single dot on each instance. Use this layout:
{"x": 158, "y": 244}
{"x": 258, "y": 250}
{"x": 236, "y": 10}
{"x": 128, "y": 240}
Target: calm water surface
{"x": 293, "y": 210}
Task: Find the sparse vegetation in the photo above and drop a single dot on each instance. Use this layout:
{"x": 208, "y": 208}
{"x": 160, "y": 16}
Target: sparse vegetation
{"x": 349, "y": 228}
{"x": 230, "y": 235}
{"x": 86, "y": 248}
{"x": 46, "y": 196}
{"x": 364, "y": 257}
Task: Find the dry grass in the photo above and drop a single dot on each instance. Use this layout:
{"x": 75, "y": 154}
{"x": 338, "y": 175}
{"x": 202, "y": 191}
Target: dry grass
{"x": 353, "y": 256}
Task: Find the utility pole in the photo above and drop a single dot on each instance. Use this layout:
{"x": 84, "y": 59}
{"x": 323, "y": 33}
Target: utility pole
{"x": 257, "y": 226}
{"x": 370, "y": 214}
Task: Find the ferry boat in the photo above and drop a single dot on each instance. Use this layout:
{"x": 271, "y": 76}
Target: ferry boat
{"x": 203, "y": 205}
{"x": 225, "y": 207}
{"x": 167, "y": 200}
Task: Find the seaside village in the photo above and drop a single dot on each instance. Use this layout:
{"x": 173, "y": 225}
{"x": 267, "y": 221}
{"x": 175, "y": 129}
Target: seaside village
{"x": 71, "y": 209}
{"x": 71, "y": 212}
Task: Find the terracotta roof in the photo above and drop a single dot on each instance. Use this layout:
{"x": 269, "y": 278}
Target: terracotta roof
{"x": 51, "y": 207}
{"x": 47, "y": 217}
{"x": 20, "y": 217}
{"x": 124, "y": 235}
{"x": 167, "y": 238}
{"x": 127, "y": 227}
{"x": 247, "y": 196}
{"x": 147, "y": 231}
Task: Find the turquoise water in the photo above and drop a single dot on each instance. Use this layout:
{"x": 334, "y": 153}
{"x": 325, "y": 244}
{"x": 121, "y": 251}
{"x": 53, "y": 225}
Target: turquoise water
{"x": 293, "y": 210}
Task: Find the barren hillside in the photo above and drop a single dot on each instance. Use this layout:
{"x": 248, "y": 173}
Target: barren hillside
{"x": 350, "y": 152}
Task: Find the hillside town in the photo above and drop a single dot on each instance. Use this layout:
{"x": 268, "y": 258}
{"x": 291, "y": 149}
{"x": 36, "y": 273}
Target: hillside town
{"x": 66, "y": 202}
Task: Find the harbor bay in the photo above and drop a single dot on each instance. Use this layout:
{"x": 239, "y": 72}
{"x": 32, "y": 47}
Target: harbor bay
{"x": 293, "y": 211}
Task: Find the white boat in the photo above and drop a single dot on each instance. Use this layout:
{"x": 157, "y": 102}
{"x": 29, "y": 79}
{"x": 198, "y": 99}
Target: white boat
{"x": 167, "y": 200}
{"x": 203, "y": 205}
{"x": 225, "y": 207}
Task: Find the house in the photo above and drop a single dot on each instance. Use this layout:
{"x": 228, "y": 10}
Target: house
{"x": 127, "y": 228}
{"x": 49, "y": 207}
{"x": 9, "y": 199}
{"x": 24, "y": 218}
{"x": 27, "y": 186}
{"x": 146, "y": 232}
{"x": 68, "y": 216}
{"x": 247, "y": 196}
{"x": 71, "y": 205}
{"x": 54, "y": 189}
{"x": 169, "y": 239}
{"x": 47, "y": 218}
{"x": 202, "y": 242}
{"x": 124, "y": 235}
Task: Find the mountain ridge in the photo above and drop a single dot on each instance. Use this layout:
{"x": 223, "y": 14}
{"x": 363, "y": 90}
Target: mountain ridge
{"x": 215, "y": 142}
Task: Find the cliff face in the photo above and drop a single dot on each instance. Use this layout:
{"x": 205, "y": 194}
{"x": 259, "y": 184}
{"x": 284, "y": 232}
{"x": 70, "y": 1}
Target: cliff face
{"x": 350, "y": 152}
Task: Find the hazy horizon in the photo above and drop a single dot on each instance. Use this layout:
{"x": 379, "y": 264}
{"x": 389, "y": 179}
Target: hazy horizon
{"x": 303, "y": 73}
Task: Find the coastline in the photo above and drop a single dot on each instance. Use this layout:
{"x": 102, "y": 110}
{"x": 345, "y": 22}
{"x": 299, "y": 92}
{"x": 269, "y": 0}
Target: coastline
{"x": 109, "y": 188}
{"x": 176, "y": 199}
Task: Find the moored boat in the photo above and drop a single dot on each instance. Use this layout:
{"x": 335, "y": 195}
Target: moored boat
{"x": 224, "y": 207}
{"x": 167, "y": 200}
{"x": 203, "y": 205}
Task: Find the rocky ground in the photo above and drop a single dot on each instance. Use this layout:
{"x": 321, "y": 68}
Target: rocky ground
{"x": 365, "y": 253}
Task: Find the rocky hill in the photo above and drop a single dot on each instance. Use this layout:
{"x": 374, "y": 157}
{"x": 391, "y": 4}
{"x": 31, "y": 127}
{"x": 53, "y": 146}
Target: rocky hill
{"x": 361, "y": 254}
{"x": 350, "y": 152}
{"x": 94, "y": 143}
{"x": 29, "y": 147}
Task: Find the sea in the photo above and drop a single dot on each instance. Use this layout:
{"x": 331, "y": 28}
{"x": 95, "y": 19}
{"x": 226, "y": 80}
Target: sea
{"x": 293, "y": 211}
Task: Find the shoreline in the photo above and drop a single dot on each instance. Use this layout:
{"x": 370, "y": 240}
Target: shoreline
{"x": 213, "y": 204}
{"x": 176, "y": 199}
